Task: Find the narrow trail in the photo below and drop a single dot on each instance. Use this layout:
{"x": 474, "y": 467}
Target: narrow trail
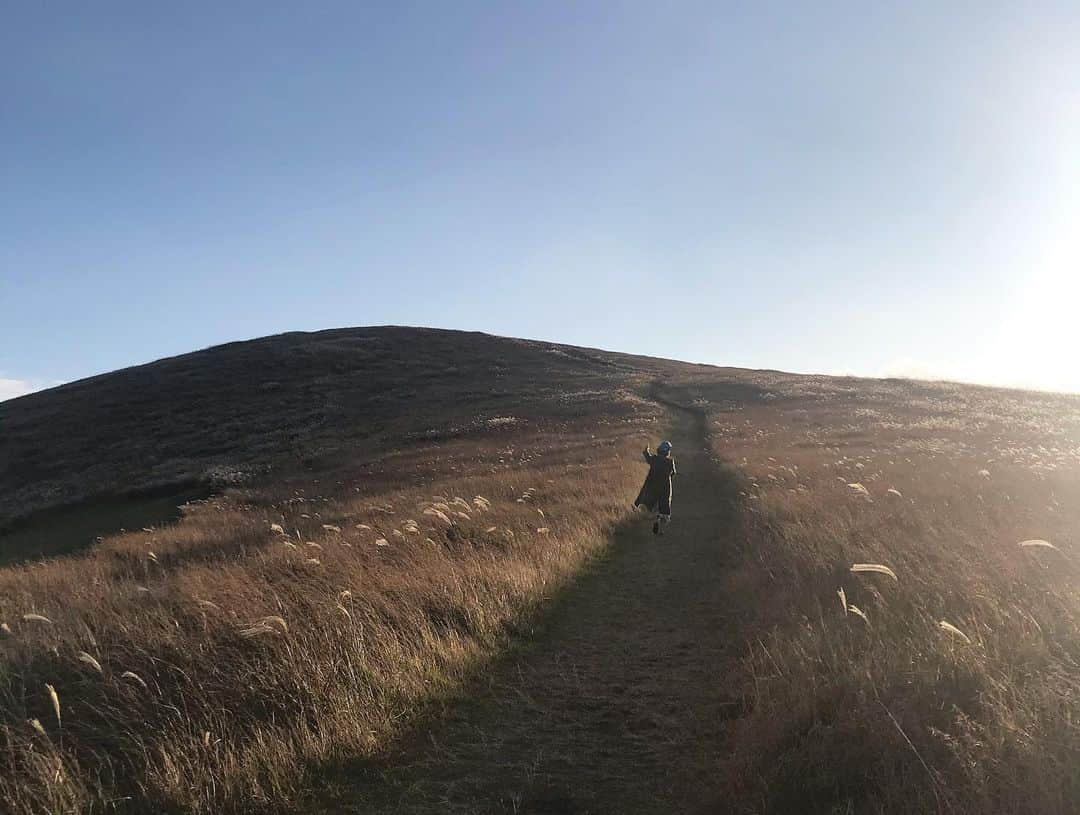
{"x": 618, "y": 705}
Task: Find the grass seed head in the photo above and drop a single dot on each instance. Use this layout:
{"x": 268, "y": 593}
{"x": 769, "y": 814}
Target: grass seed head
{"x": 874, "y": 567}
{"x": 1038, "y": 544}
{"x": 858, "y": 612}
{"x": 954, "y": 631}
{"x": 54, "y": 697}
{"x": 134, "y": 677}
{"x": 86, "y": 659}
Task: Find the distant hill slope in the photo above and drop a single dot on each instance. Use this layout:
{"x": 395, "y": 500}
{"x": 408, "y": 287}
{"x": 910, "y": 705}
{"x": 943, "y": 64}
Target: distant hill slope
{"x": 867, "y": 600}
{"x": 296, "y": 397}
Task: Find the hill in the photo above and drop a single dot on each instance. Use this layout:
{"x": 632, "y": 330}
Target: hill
{"x": 406, "y": 579}
{"x": 122, "y": 448}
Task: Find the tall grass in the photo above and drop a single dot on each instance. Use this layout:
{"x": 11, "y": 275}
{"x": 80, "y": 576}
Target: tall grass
{"x": 956, "y": 686}
{"x": 214, "y": 665}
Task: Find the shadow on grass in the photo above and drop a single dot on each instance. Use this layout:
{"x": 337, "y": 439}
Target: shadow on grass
{"x": 69, "y": 529}
{"x": 490, "y": 696}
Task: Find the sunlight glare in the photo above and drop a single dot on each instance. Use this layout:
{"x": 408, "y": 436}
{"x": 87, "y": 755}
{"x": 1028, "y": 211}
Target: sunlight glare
{"x": 1040, "y": 343}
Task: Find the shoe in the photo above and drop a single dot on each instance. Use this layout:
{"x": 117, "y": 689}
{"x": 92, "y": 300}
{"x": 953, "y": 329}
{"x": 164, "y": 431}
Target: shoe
{"x": 656, "y": 528}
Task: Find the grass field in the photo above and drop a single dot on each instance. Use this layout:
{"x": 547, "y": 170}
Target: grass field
{"x": 391, "y": 508}
{"x": 953, "y": 687}
{"x": 347, "y": 572}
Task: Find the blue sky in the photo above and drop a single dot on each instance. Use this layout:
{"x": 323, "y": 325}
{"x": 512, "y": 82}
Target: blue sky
{"x": 824, "y": 187}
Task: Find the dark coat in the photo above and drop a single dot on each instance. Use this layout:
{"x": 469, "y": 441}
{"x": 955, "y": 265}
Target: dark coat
{"x": 655, "y": 493}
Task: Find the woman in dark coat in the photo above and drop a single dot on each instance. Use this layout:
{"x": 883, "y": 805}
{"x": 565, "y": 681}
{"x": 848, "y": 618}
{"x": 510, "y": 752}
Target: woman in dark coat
{"x": 655, "y": 493}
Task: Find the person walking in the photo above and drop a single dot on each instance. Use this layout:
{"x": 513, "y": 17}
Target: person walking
{"x": 655, "y": 495}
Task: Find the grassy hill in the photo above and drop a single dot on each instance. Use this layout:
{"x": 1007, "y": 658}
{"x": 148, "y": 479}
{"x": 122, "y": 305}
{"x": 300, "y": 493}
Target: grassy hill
{"x": 951, "y": 687}
{"x": 124, "y": 446}
{"x": 373, "y": 516}
{"x": 386, "y": 505}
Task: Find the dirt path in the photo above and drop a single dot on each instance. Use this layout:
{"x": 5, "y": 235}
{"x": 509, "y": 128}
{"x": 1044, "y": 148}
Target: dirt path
{"x": 618, "y": 706}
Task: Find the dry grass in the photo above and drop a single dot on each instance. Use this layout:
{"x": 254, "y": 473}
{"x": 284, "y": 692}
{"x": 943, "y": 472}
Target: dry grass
{"x": 390, "y": 504}
{"x": 216, "y": 664}
{"x": 401, "y": 532}
{"x": 954, "y": 687}
{"x": 256, "y": 412}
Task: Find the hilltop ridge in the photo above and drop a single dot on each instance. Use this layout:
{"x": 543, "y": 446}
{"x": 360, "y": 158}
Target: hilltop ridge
{"x": 294, "y": 399}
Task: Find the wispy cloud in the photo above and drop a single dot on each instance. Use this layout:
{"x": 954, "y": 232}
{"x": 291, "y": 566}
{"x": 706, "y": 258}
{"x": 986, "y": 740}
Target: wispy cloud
{"x": 10, "y": 388}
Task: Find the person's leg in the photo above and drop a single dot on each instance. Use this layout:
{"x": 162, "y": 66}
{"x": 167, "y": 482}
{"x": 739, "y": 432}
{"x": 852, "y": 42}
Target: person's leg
{"x": 663, "y": 515}
{"x": 656, "y": 524}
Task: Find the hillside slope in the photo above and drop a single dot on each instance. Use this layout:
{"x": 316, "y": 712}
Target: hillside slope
{"x": 433, "y": 489}
{"x": 295, "y": 402}
{"x": 344, "y": 625}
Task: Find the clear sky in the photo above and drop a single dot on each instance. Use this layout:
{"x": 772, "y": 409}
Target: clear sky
{"x": 830, "y": 187}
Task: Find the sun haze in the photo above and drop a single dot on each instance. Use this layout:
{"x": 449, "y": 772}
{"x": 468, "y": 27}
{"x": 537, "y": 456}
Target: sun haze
{"x": 835, "y": 188}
